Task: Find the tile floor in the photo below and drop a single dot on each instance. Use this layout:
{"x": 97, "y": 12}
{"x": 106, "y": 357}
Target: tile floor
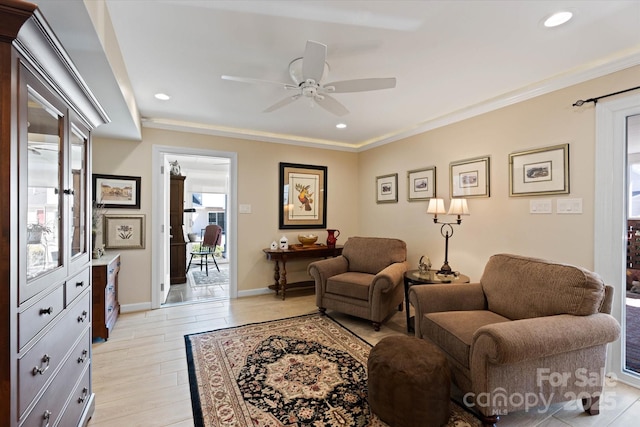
{"x": 190, "y": 292}
{"x": 140, "y": 374}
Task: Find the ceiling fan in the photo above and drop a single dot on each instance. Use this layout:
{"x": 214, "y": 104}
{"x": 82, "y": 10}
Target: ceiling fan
{"x": 307, "y": 72}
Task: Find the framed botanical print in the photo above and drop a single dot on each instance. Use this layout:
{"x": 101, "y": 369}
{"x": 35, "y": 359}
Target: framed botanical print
{"x": 303, "y": 196}
{"x": 470, "y": 178}
{"x": 124, "y": 231}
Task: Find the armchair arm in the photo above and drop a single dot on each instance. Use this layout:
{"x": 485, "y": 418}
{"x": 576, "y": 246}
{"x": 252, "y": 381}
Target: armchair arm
{"x": 323, "y": 269}
{"x": 390, "y": 277}
{"x": 525, "y": 339}
{"x": 447, "y": 297}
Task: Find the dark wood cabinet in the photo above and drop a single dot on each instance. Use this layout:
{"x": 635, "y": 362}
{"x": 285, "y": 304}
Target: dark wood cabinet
{"x": 178, "y": 246}
{"x": 106, "y": 307}
{"x": 47, "y": 115}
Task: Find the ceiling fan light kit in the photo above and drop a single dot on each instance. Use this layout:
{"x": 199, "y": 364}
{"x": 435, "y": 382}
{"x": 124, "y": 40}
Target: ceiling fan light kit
{"x": 307, "y": 73}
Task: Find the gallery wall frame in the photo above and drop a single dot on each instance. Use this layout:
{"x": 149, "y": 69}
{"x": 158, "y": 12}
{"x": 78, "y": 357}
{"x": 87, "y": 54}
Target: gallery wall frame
{"x": 387, "y": 188}
{"x": 302, "y": 196}
{"x": 541, "y": 171}
{"x": 117, "y": 191}
{"x": 421, "y": 184}
{"x": 124, "y": 231}
{"x": 470, "y": 178}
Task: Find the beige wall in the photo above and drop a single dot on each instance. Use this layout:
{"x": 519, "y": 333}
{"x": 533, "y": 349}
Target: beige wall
{"x": 497, "y": 224}
{"x": 258, "y": 175}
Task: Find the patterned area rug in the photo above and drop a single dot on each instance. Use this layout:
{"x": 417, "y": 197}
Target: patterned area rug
{"x": 302, "y": 371}
{"x": 200, "y": 278}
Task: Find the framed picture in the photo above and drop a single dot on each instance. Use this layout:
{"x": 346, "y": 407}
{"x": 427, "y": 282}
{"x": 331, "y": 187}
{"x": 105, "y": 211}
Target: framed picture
{"x": 124, "y": 231}
{"x": 539, "y": 172}
{"x": 470, "y": 178}
{"x": 421, "y": 184}
{"x": 303, "y": 196}
{"x": 387, "y": 188}
{"x": 116, "y": 191}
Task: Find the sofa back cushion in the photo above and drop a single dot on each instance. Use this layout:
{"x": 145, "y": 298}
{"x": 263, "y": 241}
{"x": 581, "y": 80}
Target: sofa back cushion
{"x": 373, "y": 254}
{"x": 519, "y": 287}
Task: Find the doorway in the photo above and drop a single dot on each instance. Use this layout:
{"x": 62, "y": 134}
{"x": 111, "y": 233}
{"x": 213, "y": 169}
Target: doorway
{"x": 614, "y": 142}
{"x": 209, "y": 186}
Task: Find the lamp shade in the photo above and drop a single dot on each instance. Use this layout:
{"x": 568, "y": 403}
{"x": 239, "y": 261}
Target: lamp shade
{"x": 436, "y": 206}
{"x": 458, "y": 207}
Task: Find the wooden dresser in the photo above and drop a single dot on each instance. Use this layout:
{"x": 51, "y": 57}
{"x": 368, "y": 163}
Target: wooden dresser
{"x": 106, "y": 307}
{"x": 47, "y": 115}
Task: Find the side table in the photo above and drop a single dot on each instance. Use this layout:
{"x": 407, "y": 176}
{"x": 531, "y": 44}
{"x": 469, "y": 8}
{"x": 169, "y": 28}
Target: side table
{"x": 414, "y": 277}
{"x": 281, "y": 256}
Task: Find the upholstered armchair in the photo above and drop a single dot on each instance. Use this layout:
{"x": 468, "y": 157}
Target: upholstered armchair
{"x": 365, "y": 281}
{"x": 531, "y": 333}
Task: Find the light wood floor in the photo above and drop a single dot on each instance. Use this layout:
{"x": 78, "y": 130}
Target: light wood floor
{"x": 140, "y": 373}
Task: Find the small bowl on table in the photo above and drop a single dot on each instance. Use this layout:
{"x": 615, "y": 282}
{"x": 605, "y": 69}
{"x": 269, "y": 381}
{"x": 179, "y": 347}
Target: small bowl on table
{"x": 307, "y": 239}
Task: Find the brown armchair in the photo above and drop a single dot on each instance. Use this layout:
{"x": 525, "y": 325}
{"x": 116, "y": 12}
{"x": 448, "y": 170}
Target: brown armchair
{"x": 365, "y": 281}
{"x": 531, "y": 333}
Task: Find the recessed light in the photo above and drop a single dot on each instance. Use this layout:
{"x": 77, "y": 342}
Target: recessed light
{"x": 341, "y": 125}
{"x": 557, "y": 18}
{"x": 162, "y": 96}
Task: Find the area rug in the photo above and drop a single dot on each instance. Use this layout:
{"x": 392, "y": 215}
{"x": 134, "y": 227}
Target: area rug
{"x": 200, "y": 278}
{"x": 301, "y": 371}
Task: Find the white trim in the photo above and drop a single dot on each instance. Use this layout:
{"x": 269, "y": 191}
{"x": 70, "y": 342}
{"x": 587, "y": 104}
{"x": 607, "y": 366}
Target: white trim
{"x": 130, "y": 308}
{"x": 254, "y": 292}
{"x": 158, "y": 153}
{"x": 610, "y": 212}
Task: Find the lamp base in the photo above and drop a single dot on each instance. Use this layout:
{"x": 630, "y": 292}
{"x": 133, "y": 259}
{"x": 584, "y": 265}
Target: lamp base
{"x": 445, "y": 269}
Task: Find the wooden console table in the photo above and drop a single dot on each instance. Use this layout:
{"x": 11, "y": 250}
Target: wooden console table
{"x": 296, "y": 252}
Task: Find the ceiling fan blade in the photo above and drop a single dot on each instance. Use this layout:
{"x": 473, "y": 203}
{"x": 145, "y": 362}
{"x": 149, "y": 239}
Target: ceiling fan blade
{"x": 258, "y": 81}
{"x": 360, "y": 85}
{"x": 315, "y": 55}
{"x": 282, "y": 103}
{"x": 331, "y": 105}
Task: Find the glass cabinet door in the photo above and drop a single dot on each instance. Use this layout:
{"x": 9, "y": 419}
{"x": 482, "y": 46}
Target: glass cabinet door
{"x": 78, "y": 191}
{"x": 44, "y": 183}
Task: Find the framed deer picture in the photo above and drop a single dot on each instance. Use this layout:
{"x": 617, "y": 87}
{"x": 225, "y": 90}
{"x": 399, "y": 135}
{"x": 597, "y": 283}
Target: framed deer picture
{"x": 303, "y": 196}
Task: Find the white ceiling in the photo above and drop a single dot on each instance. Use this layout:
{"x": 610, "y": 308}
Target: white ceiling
{"x": 452, "y": 59}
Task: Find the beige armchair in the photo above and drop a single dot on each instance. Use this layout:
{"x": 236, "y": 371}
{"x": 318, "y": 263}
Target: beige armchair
{"x": 365, "y": 281}
{"x": 531, "y": 333}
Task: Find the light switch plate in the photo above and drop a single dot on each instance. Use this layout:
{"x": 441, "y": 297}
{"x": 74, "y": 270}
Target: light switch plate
{"x": 569, "y": 206}
{"x": 540, "y": 206}
{"x": 245, "y": 209}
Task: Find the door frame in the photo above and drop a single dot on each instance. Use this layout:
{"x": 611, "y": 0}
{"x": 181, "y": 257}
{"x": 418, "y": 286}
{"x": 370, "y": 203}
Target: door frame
{"x": 610, "y": 213}
{"x": 159, "y": 152}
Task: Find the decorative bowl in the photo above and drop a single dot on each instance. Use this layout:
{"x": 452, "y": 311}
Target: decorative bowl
{"x": 307, "y": 239}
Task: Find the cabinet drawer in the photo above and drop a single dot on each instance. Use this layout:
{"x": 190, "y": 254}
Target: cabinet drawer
{"x": 76, "y": 285}
{"x": 79, "y": 398}
{"x": 112, "y": 270}
{"x": 36, "y": 367}
{"x": 32, "y": 320}
{"x": 50, "y": 407}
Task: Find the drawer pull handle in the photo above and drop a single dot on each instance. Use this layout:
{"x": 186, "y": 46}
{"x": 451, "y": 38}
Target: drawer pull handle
{"x": 46, "y": 416}
{"x": 82, "y": 358}
{"x": 80, "y": 284}
{"x": 40, "y": 370}
{"x": 85, "y": 393}
{"x": 44, "y": 311}
{"x": 110, "y": 288}
{"x": 82, "y": 317}
{"x": 110, "y": 309}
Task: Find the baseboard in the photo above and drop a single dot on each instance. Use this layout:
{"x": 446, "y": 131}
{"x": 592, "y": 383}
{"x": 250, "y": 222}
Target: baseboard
{"x": 254, "y": 292}
{"x": 130, "y": 308}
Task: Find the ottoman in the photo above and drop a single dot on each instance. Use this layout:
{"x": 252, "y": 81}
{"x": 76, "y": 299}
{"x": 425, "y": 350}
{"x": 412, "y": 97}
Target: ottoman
{"x": 409, "y": 382}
